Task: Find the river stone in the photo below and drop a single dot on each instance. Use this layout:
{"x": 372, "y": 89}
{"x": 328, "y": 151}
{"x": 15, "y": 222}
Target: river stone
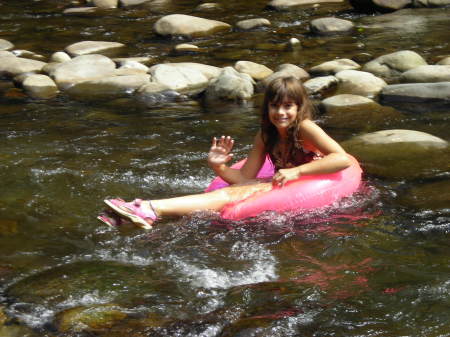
{"x": 430, "y": 3}
{"x": 319, "y": 85}
{"x": 93, "y": 47}
{"x": 252, "y": 23}
{"x": 186, "y": 47}
{"x": 207, "y": 7}
{"x": 155, "y": 94}
{"x": 333, "y": 67}
{"x": 284, "y": 70}
{"x": 4, "y": 53}
{"x": 255, "y": 70}
{"x": 330, "y": 25}
{"x": 182, "y": 79}
{"x": 60, "y": 57}
{"x": 90, "y": 319}
{"x": 393, "y": 65}
{"x": 435, "y": 195}
{"x": 208, "y": 71}
{"x": 369, "y": 6}
{"x": 286, "y": 4}
{"x": 426, "y": 74}
{"x": 130, "y": 64}
{"x": 445, "y": 61}
{"x": 28, "y": 54}
{"x": 105, "y": 4}
{"x": 412, "y": 96}
{"x": 40, "y": 87}
{"x": 344, "y": 100}
{"x": 83, "y": 68}
{"x": 142, "y": 59}
{"x": 5, "y": 45}
{"x": 108, "y": 87}
{"x": 401, "y": 154}
{"x": 127, "y": 3}
{"x": 80, "y": 10}
{"x": 13, "y": 66}
{"x": 359, "y": 83}
{"x": 188, "y": 26}
{"x": 230, "y": 85}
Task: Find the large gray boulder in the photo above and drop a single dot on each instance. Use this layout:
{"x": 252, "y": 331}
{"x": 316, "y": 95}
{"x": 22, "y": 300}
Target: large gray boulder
{"x": 82, "y": 68}
{"x": 255, "y": 70}
{"x": 230, "y": 85}
{"x": 428, "y": 73}
{"x": 188, "y": 26}
{"x": 93, "y": 47}
{"x": 401, "y": 154}
{"x": 392, "y": 65}
{"x": 182, "y": 79}
{"x": 321, "y": 84}
{"x": 417, "y": 97}
{"x": 361, "y": 83}
{"x": 11, "y": 66}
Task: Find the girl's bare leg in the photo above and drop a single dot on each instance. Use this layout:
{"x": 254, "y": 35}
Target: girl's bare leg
{"x": 214, "y": 200}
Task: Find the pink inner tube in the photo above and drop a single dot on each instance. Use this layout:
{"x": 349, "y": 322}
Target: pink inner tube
{"x": 304, "y": 193}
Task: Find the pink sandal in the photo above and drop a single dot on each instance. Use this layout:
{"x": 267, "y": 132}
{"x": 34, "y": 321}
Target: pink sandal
{"x": 133, "y": 211}
{"x": 111, "y": 219}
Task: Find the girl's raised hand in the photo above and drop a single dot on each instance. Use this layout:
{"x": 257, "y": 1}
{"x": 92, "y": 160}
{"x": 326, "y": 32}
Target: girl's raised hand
{"x": 219, "y": 153}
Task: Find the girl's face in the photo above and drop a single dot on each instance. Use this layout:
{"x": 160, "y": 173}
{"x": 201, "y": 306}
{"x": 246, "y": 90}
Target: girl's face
{"x": 283, "y": 115}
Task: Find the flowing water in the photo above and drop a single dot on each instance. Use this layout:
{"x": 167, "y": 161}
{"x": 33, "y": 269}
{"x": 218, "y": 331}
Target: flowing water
{"x": 375, "y": 265}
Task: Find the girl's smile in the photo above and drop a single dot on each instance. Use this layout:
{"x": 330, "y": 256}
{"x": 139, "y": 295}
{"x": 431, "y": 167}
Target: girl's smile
{"x": 282, "y": 115}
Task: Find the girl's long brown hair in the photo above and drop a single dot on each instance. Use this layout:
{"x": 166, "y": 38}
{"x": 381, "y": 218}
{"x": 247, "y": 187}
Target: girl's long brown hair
{"x": 280, "y": 89}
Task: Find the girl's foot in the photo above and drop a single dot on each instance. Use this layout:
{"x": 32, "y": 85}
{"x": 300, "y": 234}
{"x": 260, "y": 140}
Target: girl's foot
{"x": 139, "y": 211}
{"x": 112, "y": 219}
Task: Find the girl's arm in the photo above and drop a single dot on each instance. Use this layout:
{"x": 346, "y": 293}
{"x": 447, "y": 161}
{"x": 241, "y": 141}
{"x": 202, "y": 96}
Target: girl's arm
{"x": 220, "y": 154}
{"x": 315, "y": 139}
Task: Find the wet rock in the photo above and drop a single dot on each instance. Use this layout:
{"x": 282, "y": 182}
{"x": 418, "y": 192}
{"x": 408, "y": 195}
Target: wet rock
{"x": 182, "y": 79}
{"x": 426, "y": 74}
{"x": 208, "y": 7}
{"x": 82, "y": 68}
{"x": 5, "y": 45}
{"x": 15, "y": 330}
{"x": 319, "y": 85}
{"x": 188, "y": 26}
{"x": 156, "y": 94}
{"x": 333, "y": 67}
{"x": 95, "y": 318}
{"x": 286, "y": 4}
{"x": 396, "y": 153}
{"x": 28, "y": 54}
{"x": 80, "y": 11}
{"x": 345, "y": 100}
{"x": 230, "y": 85}
{"x": 444, "y": 61}
{"x": 255, "y": 70}
{"x": 435, "y": 195}
{"x": 370, "y": 6}
{"x": 330, "y": 26}
{"x": 362, "y": 57}
{"x": 417, "y": 97}
{"x": 430, "y": 3}
{"x": 186, "y": 47}
{"x": 252, "y": 23}
{"x": 293, "y": 44}
{"x": 13, "y": 66}
{"x": 208, "y": 71}
{"x": 105, "y": 4}
{"x": 393, "y": 65}
{"x": 108, "y": 87}
{"x": 143, "y": 59}
{"x": 93, "y": 47}
{"x": 4, "y": 53}
{"x": 284, "y": 70}
{"x": 60, "y": 57}
{"x": 40, "y": 87}
{"x": 134, "y": 65}
{"x": 127, "y": 3}
{"x": 359, "y": 83}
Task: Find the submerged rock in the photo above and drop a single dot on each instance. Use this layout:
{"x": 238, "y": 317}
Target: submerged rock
{"x": 417, "y": 97}
{"x": 435, "y": 195}
{"x": 188, "y": 26}
{"x": 345, "y": 100}
{"x": 401, "y": 154}
{"x": 252, "y": 23}
{"x": 60, "y": 57}
{"x": 319, "y": 85}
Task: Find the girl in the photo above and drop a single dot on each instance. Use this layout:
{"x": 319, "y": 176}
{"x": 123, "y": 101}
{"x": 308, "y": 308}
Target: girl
{"x": 295, "y": 144}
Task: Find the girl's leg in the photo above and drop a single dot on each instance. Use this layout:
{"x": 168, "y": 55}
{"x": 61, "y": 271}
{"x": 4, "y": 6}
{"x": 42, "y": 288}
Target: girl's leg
{"x": 214, "y": 200}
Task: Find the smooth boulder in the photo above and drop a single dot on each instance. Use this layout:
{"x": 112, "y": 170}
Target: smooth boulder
{"x": 255, "y": 70}
{"x": 40, "y": 86}
{"x": 230, "y": 85}
{"x": 330, "y": 26}
{"x": 5, "y": 45}
{"x": 178, "y": 78}
{"x": 93, "y": 47}
{"x": 252, "y": 23}
{"x": 359, "y": 83}
{"x": 188, "y": 26}
{"x": 426, "y": 74}
{"x": 11, "y": 66}
{"x": 333, "y": 67}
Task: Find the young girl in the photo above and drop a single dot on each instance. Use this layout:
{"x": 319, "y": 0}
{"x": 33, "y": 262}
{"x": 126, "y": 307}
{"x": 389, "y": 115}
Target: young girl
{"x": 295, "y": 144}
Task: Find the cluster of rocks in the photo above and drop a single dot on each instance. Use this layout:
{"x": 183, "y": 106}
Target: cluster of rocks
{"x": 81, "y": 70}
